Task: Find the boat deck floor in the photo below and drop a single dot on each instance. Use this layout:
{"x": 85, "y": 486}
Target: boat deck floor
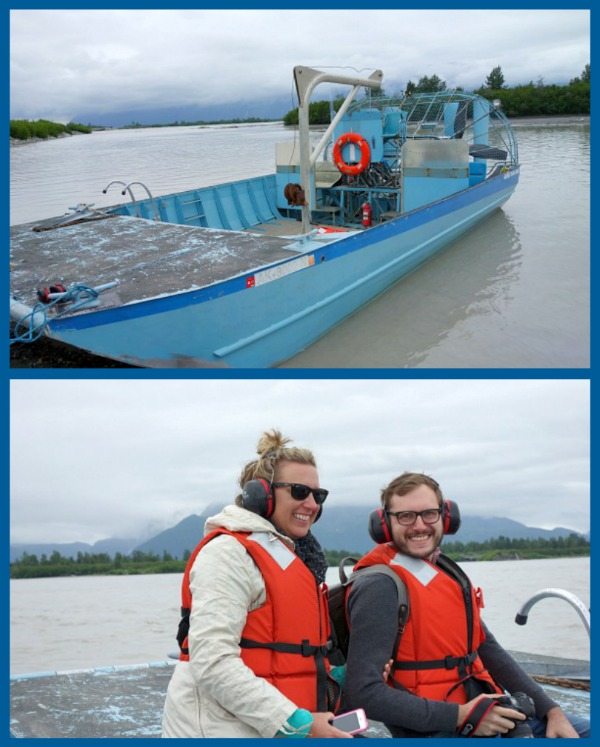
{"x": 148, "y": 258}
{"x": 113, "y": 702}
{"x": 127, "y": 701}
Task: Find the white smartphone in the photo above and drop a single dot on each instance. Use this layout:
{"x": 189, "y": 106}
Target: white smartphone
{"x": 354, "y": 722}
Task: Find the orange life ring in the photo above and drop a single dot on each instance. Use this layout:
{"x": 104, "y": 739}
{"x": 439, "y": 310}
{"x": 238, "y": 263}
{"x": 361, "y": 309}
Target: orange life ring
{"x": 365, "y": 154}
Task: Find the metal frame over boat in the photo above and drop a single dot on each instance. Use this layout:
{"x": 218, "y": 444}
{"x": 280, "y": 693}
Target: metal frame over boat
{"x": 247, "y": 274}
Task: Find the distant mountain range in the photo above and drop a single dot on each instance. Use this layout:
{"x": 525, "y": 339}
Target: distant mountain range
{"x": 270, "y": 108}
{"x": 340, "y": 528}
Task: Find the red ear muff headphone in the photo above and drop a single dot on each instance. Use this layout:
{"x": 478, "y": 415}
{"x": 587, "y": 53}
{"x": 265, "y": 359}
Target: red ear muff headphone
{"x": 450, "y": 517}
{"x": 379, "y": 526}
{"x": 380, "y": 529}
{"x": 258, "y": 497}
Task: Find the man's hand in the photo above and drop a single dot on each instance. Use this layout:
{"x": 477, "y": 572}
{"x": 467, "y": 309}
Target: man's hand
{"x": 498, "y": 720}
{"x": 559, "y": 725}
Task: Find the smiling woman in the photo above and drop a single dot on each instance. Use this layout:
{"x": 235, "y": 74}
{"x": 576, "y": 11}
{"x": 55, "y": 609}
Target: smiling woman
{"x": 255, "y": 622}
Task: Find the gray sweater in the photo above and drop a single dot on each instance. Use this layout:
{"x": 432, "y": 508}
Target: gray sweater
{"x": 373, "y": 611}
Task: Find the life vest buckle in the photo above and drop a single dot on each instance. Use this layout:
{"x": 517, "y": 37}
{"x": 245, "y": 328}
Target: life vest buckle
{"x": 451, "y": 662}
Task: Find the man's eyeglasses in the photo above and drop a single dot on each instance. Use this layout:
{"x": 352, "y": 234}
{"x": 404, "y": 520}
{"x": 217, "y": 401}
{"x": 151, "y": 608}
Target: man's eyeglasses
{"x": 301, "y": 492}
{"x": 406, "y": 518}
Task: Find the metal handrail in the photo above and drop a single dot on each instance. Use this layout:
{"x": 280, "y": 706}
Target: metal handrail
{"x": 574, "y": 601}
{"x": 152, "y": 200}
{"x": 117, "y": 181}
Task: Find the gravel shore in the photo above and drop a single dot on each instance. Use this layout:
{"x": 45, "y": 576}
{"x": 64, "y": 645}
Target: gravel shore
{"x": 46, "y": 353}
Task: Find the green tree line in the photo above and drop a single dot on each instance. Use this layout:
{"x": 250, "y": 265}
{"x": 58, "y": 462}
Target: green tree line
{"x": 93, "y": 564}
{"x": 528, "y": 100}
{"x": 88, "y": 564}
{"x": 24, "y": 129}
{"x": 319, "y": 112}
{"x": 574, "y": 545}
{"x": 499, "y": 548}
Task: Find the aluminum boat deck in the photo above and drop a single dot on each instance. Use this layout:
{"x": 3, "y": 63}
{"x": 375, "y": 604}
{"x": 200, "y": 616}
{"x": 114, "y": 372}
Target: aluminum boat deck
{"x": 147, "y": 258}
{"x": 127, "y": 701}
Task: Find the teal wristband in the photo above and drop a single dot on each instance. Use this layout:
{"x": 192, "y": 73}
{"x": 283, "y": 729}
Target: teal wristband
{"x": 297, "y": 725}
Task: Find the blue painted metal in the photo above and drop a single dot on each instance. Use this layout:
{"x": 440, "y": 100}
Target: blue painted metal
{"x": 368, "y": 123}
{"x": 231, "y": 324}
{"x": 233, "y": 206}
{"x": 481, "y": 121}
{"x": 476, "y": 172}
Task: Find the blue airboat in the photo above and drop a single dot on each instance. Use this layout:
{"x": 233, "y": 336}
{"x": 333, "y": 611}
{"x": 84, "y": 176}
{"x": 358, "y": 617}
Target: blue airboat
{"x": 246, "y": 274}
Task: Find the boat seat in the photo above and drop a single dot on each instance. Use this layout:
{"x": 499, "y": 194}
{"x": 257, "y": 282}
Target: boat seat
{"x": 480, "y": 150}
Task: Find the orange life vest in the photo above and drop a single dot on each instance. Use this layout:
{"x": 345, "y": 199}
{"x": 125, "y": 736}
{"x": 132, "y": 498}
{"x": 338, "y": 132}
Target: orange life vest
{"x": 437, "y": 653}
{"x": 286, "y": 640}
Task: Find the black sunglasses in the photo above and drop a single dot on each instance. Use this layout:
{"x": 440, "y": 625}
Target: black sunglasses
{"x": 301, "y": 492}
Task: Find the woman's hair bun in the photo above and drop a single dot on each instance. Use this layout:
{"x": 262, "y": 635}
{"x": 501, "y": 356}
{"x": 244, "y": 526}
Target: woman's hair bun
{"x": 271, "y": 441}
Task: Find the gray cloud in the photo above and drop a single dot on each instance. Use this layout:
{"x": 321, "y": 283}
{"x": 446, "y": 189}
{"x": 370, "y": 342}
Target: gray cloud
{"x": 91, "y": 459}
{"x": 97, "y": 61}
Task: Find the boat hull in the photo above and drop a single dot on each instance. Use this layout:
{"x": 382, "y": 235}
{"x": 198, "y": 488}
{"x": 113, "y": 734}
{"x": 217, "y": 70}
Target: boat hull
{"x": 259, "y": 319}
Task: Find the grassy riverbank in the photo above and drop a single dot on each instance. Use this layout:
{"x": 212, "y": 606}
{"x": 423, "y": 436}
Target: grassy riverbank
{"x": 42, "y": 129}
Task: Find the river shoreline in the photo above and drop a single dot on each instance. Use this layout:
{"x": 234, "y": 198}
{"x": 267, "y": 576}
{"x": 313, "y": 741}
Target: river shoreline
{"x": 558, "y": 119}
{"x": 16, "y": 142}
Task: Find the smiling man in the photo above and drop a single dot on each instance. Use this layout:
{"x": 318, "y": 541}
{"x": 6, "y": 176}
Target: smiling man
{"x": 448, "y": 669}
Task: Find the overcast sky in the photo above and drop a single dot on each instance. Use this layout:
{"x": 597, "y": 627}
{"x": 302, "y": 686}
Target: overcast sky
{"x": 68, "y": 62}
{"x": 98, "y": 458}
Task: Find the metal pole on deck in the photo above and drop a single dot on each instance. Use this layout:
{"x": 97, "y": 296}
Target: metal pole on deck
{"x": 307, "y": 79}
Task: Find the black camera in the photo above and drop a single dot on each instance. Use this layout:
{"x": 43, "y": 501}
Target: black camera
{"x": 524, "y": 704}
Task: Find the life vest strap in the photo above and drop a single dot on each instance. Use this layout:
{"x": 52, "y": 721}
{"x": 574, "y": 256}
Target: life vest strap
{"x": 305, "y": 648}
{"x": 450, "y": 662}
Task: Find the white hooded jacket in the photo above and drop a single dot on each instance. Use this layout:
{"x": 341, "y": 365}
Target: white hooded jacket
{"x": 215, "y": 694}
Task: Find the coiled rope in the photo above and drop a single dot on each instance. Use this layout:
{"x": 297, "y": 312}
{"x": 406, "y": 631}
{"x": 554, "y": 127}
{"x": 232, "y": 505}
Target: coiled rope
{"x": 562, "y": 682}
{"x": 27, "y": 329}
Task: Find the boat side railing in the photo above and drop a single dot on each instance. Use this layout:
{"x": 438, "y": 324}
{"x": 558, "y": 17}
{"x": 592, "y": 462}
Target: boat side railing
{"x": 148, "y": 192}
{"x": 123, "y": 184}
{"x": 477, "y": 120}
{"x": 127, "y": 190}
